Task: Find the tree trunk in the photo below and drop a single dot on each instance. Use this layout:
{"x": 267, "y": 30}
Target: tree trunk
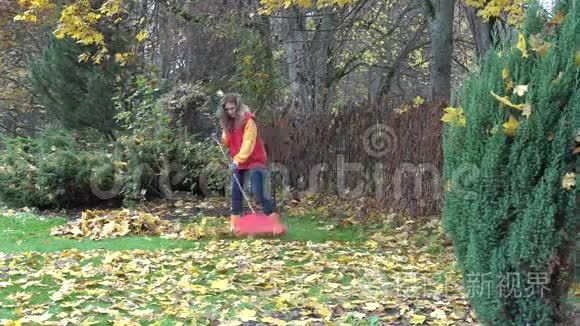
{"x": 295, "y": 56}
{"x": 480, "y": 30}
{"x": 440, "y": 16}
{"x": 323, "y": 66}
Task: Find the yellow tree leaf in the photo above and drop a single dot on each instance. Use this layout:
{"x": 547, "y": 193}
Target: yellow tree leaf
{"x": 505, "y": 74}
{"x": 577, "y": 59}
{"x": 521, "y": 90}
{"x": 507, "y": 79}
{"x": 142, "y": 35}
{"x": 454, "y": 116}
{"x": 510, "y": 127}
{"x": 569, "y": 181}
{"x": 418, "y": 100}
{"x": 522, "y": 45}
{"x": 59, "y": 33}
{"x": 525, "y": 108}
{"x": 84, "y": 57}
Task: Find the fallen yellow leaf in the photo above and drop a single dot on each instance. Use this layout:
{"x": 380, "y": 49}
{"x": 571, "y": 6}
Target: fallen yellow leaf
{"x": 438, "y": 314}
{"x": 324, "y": 312}
{"x": 247, "y": 315}
{"x": 11, "y": 322}
{"x": 220, "y": 284}
{"x": 372, "y": 306}
{"x": 273, "y": 321}
{"x": 418, "y": 319}
{"x": 312, "y": 277}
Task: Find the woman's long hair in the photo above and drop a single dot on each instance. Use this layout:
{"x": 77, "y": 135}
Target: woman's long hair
{"x": 228, "y": 124}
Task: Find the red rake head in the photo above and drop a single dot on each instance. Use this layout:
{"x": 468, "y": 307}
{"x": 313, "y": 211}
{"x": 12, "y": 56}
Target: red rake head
{"x": 259, "y": 225}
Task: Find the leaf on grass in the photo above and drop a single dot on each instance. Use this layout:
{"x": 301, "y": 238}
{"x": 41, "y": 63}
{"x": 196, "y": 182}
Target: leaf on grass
{"x": 372, "y": 306}
{"x": 273, "y": 321}
{"x": 247, "y": 315}
{"x": 220, "y": 284}
{"x": 5, "y": 284}
{"x": 324, "y": 312}
{"x": 37, "y": 319}
{"x": 312, "y": 277}
{"x": 417, "y": 319}
{"x": 438, "y": 314}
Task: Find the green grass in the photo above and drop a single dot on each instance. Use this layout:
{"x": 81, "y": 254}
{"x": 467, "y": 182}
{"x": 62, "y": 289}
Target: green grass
{"x": 29, "y": 232}
{"x": 312, "y": 228}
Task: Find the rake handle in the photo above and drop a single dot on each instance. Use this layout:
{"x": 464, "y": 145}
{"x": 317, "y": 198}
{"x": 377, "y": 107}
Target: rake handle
{"x": 234, "y": 174}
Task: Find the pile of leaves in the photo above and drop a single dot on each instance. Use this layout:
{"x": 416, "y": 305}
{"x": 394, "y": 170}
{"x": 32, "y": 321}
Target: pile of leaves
{"x": 102, "y": 224}
{"x": 206, "y": 228}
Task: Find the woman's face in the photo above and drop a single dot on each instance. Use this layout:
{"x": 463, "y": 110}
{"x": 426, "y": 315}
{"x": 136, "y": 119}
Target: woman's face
{"x": 231, "y": 109}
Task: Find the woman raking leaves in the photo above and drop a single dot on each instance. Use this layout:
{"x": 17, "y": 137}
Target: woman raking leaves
{"x": 248, "y": 155}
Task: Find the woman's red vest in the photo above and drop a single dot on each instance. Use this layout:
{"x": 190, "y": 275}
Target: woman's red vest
{"x": 258, "y": 156}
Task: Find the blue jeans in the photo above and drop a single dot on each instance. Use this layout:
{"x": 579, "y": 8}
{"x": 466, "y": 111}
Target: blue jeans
{"x": 257, "y": 178}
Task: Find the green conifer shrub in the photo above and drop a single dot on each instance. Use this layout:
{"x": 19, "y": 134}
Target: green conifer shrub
{"x": 510, "y": 200}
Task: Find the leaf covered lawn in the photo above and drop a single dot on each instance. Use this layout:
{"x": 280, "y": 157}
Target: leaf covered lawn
{"x": 389, "y": 279}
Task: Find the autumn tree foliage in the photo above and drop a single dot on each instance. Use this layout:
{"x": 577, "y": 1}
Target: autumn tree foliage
{"x": 509, "y": 203}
